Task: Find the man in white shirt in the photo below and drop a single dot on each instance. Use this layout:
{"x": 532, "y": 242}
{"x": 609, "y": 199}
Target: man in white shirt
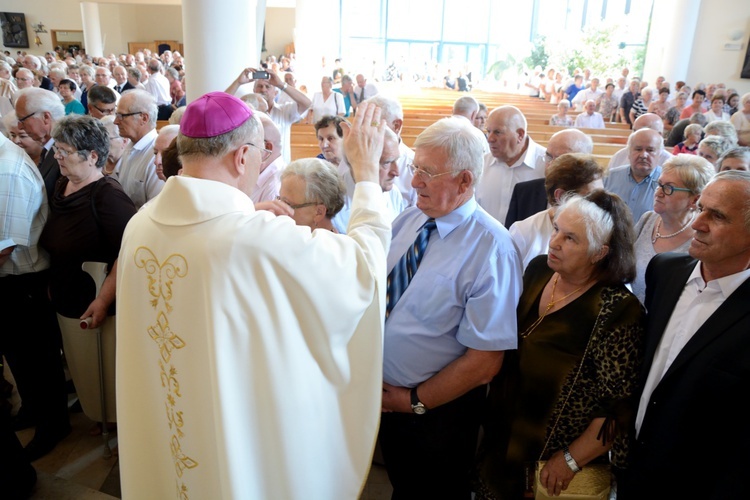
{"x": 136, "y": 118}
{"x": 364, "y": 90}
{"x": 514, "y": 157}
{"x": 590, "y": 118}
{"x": 158, "y": 86}
{"x": 697, "y": 348}
{"x": 283, "y": 114}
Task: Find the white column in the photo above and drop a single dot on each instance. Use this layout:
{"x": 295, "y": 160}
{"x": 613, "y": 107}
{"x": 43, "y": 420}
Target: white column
{"x": 219, "y": 41}
{"x": 670, "y": 44}
{"x": 312, "y": 43}
{"x": 92, "y": 29}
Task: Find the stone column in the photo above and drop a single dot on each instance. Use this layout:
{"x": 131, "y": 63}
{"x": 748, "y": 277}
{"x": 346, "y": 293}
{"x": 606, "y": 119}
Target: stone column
{"x": 92, "y": 29}
{"x": 670, "y": 44}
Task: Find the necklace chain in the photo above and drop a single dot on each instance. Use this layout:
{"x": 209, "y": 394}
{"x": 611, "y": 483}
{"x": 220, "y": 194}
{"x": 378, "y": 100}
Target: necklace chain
{"x": 658, "y": 235}
{"x": 550, "y": 305}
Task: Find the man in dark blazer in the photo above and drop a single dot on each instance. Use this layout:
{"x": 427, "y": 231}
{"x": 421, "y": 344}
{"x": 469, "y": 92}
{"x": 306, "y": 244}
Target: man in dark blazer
{"x": 691, "y": 438}
{"x": 37, "y": 111}
{"x": 530, "y": 197}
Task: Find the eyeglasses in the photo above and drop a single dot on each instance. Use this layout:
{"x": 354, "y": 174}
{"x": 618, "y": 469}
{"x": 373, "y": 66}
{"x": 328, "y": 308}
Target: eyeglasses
{"x": 424, "y": 174}
{"x": 264, "y": 153}
{"x": 108, "y": 111}
{"x": 64, "y": 154}
{"x": 668, "y": 189}
{"x": 21, "y": 120}
{"x": 120, "y": 116}
{"x": 299, "y": 205}
{"x": 548, "y": 157}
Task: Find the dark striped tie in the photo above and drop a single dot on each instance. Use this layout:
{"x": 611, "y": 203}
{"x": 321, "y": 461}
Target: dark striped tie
{"x": 407, "y": 266}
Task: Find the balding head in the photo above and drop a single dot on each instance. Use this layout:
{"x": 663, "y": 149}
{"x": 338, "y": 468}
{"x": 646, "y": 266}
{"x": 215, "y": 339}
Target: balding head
{"x": 569, "y": 140}
{"x": 649, "y": 120}
{"x": 466, "y": 106}
{"x": 32, "y": 62}
{"x": 644, "y": 148}
{"x": 506, "y": 133}
{"x": 271, "y": 138}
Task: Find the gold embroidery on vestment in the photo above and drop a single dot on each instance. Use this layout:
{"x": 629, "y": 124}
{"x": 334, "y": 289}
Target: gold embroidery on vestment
{"x": 160, "y": 278}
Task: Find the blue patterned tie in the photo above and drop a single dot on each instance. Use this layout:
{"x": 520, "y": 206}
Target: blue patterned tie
{"x": 407, "y": 266}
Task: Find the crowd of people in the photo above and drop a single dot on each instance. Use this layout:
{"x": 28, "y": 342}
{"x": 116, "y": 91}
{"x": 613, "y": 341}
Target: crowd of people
{"x": 475, "y": 304}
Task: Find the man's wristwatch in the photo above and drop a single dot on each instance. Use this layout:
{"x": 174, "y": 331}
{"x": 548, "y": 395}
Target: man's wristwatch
{"x": 283, "y": 88}
{"x": 416, "y": 405}
{"x": 570, "y": 460}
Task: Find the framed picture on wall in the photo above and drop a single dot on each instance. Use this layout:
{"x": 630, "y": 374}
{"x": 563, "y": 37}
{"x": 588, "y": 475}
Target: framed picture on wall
{"x": 14, "y": 30}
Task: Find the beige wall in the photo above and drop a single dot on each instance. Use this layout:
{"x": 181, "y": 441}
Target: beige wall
{"x": 709, "y": 61}
{"x": 279, "y": 30}
{"x": 120, "y": 23}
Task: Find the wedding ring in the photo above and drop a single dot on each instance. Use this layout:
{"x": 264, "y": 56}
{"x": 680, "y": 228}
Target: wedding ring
{"x": 374, "y": 124}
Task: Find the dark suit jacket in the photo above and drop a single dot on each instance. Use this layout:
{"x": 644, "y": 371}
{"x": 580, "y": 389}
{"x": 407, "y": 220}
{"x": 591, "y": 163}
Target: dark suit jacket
{"x": 47, "y": 84}
{"x": 694, "y": 441}
{"x": 50, "y": 170}
{"x": 126, "y": 86}
{"x": 528, "y": 198}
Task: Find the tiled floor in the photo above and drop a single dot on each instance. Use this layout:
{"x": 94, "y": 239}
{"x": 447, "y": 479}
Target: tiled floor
{"x": 76, "y": 469}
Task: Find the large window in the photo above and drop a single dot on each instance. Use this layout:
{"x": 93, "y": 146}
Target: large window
{"x": 471, "y": 34}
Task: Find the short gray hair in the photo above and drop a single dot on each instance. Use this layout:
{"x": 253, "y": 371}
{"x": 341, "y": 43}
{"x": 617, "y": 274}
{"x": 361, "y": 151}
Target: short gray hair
{"x": 390, "y": 108}
{"x": 716, "y": 143}
{"x": 742, "y": 153}
{"x": 109, "y": 124}
{"x": 461, "y": 141}
{"x": 722, "y": 128}
{"x": 220, "y": 145}
{"x": 322, "y": 182}
{"x": 142, "y": 102}
{"x": 40, "y": 101}
{"x": 738, "y": 176}
{"x": 465, "y": 105}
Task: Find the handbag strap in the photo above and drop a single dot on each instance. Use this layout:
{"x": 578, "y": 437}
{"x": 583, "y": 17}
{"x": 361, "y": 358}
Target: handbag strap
{"x": 572, "y": 384}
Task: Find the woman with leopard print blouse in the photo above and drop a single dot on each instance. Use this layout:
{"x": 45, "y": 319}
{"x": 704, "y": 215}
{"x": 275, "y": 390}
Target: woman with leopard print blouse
{"x": 567, "y": 389}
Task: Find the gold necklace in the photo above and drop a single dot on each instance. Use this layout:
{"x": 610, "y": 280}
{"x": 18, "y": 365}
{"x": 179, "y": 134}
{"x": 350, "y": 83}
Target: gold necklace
{"x": 550, "y": 305}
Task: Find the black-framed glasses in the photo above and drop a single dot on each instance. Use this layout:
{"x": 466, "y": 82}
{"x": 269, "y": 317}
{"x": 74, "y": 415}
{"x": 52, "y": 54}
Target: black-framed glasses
{"x": 64, "y": 154}
{"x": 424, "y": 174}
{"x": 120, "y": 116}
{"x": 299, "y": 205}
{"x": 668, "y": 189}
{"x": 108, "y": 111}
{"x": 21, "y": 120}
{"x": 264, "y": 153}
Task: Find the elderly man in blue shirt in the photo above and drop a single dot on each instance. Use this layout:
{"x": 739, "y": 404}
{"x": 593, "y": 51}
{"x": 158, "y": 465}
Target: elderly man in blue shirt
{"x": 448, "y": 327}
{"x": 636, "y": 183}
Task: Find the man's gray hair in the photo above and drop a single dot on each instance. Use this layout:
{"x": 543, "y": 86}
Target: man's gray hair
{"x": 461, "y": 141}
{"x": 41, "y": 100}
{"x": 143, "y": 102}
{"x": 322, "y": 182}
{"x": 737, "y": 176}
{"x": 109, "y": 123}
{"x": 58, "y": 72}
{"x": 390, "y": 108}
{"x": 644, "y": 131}
{"x": 7, "y": 67}
{"x": 465, "y": 106}
{"x": 250, "y": 131}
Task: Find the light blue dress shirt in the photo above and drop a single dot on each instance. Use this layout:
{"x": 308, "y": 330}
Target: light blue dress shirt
{"x": 639, "y": 196}
{"x": 464, "y": 294}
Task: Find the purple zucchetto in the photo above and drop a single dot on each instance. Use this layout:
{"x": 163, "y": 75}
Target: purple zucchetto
{"x": 213, "y": 114}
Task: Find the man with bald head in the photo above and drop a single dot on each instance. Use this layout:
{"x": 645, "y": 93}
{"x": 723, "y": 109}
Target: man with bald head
{"x": 268, "y": 184}
{"x": 636, "y": 182}
{"x": 590, "y": 118}
{"x": 530, "y": 197}
{"x": 514, "y": 157}
{"x": 651, "y": 121}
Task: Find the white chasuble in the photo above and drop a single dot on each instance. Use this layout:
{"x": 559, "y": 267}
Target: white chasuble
{"x": 249, "y": 350}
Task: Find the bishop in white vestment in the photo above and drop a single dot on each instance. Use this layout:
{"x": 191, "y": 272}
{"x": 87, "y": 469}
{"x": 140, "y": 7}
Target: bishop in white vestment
{"x": 249, "y": 354}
